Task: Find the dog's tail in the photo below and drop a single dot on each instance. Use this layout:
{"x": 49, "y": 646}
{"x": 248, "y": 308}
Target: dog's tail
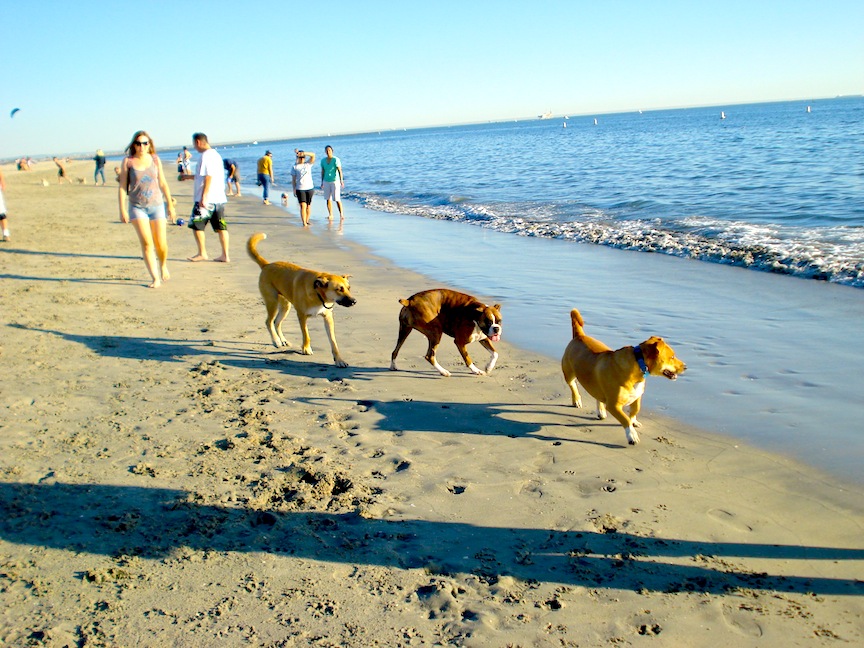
{"x": 404, "y": 302}
{"x": 252, "y": 249}
{"x": 577, "y": 322}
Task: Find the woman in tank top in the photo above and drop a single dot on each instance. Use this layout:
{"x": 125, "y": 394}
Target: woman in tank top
{"x": 143, "y": 187}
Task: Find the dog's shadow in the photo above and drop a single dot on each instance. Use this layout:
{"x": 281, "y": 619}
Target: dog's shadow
{"x": 497, "y": 419}
{"x": 487, "y": 419}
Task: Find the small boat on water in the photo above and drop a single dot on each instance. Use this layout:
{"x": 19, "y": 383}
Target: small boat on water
{"x": 808, "y": 109}
{"x": 546, "y": 115}
{"x": 722, "y": 115}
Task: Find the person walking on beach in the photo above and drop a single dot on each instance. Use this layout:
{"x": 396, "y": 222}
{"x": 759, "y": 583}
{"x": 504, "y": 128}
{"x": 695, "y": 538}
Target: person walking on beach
{"x": 302, "y": 183}
{"x": 143, "y": 187}
{"x": 210, "y": 199}
{"x": 61, "y": 171}
{"x": 232, "y": 174}
{"x": 187, "y": 160}
{"x": 332, "y": 181}
{"x": 99, "y": 159}
{"x": 265, "y": 174}
{"x": 4, "y": 221}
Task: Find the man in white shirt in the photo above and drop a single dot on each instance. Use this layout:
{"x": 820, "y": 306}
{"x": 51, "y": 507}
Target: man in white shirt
{"x": 210, "y": 199}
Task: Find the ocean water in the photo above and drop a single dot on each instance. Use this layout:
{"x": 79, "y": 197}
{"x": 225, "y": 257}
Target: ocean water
{"x": 775, "y": 187}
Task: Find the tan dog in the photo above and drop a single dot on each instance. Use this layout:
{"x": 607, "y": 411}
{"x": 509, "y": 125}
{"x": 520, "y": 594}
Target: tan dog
{"x": 615, "y": 378}
{"x": 463, "y": 317}
{"x": 311, "y": 292}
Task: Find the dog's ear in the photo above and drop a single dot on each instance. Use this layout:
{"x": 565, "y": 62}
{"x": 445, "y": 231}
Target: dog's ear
{"x": 346, "y": 277}
{"x": 320, "y": 283}
{"x": 497, "y": 307}
{"x": 651, "y": 349}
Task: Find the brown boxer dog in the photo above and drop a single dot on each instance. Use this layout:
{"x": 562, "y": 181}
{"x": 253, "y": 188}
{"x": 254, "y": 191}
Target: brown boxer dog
{"x": 310, "y": 291}
{"x": 462, "y": 317}
{"x": 615, "y": 378}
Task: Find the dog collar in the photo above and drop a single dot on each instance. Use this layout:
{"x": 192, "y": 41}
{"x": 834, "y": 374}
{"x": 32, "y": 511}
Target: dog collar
{"x": 323, "y": 303}
{"x": 640, "y": 360}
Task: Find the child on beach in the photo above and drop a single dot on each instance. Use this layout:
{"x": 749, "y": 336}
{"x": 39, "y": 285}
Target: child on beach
{"x": 61, "y": 172}
{"x": 4, "y": 221}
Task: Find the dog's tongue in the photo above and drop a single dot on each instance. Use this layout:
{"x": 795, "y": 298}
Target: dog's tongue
{"x": 495, "y": 337}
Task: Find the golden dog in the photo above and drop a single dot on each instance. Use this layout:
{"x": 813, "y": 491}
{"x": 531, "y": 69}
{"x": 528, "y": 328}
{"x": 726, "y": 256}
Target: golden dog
{"x": 311, "y": 293}
{"x": 615, "y": 378}
{"x": 463, "y": 317}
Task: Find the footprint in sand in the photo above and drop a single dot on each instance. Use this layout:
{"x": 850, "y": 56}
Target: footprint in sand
{"x": 742, "y": 622}
{"x": 531, "y": 487}
{"x": 730, "y": 520}
{"x": 543, "y": 460}
{"x": 592, "y": 486}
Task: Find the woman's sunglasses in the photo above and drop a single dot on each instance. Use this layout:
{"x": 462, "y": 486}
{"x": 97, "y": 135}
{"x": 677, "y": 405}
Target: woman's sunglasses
{"x": 144, "y": 143}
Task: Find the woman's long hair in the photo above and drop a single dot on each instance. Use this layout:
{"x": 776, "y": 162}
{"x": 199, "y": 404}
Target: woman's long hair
{"x": 130, "y": 150}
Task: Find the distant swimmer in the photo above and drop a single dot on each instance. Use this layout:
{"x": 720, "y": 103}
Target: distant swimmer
{"x": 722, "y": 115}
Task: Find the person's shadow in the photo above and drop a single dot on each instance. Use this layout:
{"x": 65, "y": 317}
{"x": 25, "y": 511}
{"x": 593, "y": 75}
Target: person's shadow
{"x": 154, "y": 522}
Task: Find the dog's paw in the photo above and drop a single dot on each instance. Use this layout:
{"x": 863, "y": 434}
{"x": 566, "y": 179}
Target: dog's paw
{"x": 632, "y": 436}
{"x": 393, "y": 366}
{"x": 341, "y": 363}
{"x": 477, "y": 371}
{"x": 307, "y": 351}
{"x": 443, "y": 372}
{"x": 577, "y": 403}
{"x": 635, "y": 423}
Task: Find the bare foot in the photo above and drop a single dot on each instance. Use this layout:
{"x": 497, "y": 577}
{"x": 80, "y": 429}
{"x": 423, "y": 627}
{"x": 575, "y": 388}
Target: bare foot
{"x": 156, "y": 284}
{"x": 197, "y": 258}
{"x": 222, "y": 259}
{"x": 165, "y": 274}
{"x": 239, "y": 194}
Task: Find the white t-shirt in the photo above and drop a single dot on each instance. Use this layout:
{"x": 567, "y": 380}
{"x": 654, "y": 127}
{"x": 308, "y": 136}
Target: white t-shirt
{"x": 210, "y": 164}
{"x": 303, "y": 175}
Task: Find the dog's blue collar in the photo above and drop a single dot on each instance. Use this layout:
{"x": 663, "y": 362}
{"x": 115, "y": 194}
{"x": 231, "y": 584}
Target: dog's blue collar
{"x": 640, "y": 360}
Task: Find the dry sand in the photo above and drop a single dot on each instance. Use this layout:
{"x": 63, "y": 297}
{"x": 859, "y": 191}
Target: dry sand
{"x": 171, "y": 479}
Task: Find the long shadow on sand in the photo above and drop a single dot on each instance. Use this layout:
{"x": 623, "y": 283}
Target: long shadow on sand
{"x": 153, "y": 522}
{"x": 91, "y": 280}
{"x": 73, "y": 255}
{"x": 230, "y": 353}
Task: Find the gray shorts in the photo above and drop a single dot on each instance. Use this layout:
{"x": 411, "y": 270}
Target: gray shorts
{"x": 332, "y": 191}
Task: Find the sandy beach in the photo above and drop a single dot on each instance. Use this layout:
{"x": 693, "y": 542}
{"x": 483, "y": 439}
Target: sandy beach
{"x": 171, "y": 479}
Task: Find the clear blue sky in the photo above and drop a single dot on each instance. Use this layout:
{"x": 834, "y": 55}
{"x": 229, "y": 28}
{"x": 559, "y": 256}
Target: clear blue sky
{"x": 86, "y": 75}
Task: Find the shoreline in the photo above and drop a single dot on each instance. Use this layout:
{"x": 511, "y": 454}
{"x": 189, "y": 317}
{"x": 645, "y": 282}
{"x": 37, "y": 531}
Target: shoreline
{"x": 764, "y": 345}
{"x": 171, "y": 477}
